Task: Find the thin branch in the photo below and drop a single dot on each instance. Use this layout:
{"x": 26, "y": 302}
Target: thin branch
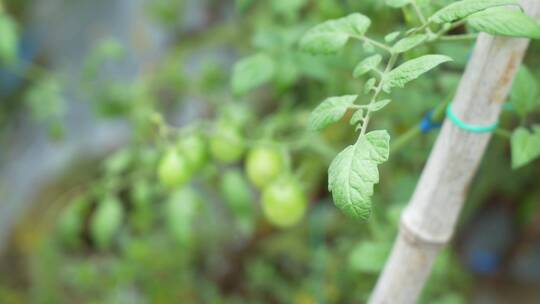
{"x": 414, "y": 131}
{"x": 378, "y": 90}
{"x": 503, "y": 132}
{"x": 459, "y": 37}
{"x": 375, "y": 43}
{"x": 418, "y": 10}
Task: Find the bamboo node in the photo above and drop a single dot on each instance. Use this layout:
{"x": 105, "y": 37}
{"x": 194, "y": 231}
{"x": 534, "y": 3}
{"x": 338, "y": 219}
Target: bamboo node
{"x": 417, "y": 238}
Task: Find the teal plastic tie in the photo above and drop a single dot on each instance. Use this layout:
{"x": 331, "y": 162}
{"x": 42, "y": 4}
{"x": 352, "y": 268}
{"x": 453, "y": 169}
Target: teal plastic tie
{"x": 468, "y": 127}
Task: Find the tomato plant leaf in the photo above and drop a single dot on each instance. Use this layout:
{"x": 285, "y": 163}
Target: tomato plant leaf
{"x": 392, "y": 36}
{"x": 524, "y": 95}
{"x": 332, "y": 35}
{"x": 408, "y": 43}
{"x": 106, "y": 221}
{"x": 462, "y": 9}
{"x": 525, "y": 146}
{"x": 236, "y": 192}
{"x": 367, "y": 65}
{"x": 376, "y": 106}
{"x": 505, "y": 22}
{"x": 412, "y": 69}
{"x": 370, "y": 85}
{"x": 357, "y": 117}
{"x": 179, "y": 212}
{"x": 251, "y": 72}
{"x": 354, "y": 172}
{"x": 330, "y": 111}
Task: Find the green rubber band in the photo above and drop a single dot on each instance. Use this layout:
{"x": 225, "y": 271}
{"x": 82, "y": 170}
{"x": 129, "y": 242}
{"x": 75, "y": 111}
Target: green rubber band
{"x": 467, "y": 127}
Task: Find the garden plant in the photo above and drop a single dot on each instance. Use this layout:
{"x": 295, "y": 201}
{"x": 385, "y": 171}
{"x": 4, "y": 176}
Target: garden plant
{"x": 276, "y": 169}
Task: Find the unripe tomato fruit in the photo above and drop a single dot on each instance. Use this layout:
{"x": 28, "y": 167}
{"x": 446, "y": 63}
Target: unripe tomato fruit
{"x": 106, "y": 222}
{"x": 141, "y": 192}
{"x": 264, "y": 164}
{"x": 71, "y": 222}
{"x": 193, "y": 148}
{"x": 180, "y": 211}
{"x": 119, "y": 161}
{"x": 227, "y": 145}
{"x": 237, "y": 193}
{"x": 141, "y": 216}
{"x": 284, "y": 203}
{"x": 173, "y": 169}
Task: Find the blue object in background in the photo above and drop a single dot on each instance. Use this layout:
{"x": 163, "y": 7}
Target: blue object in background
{"x": 484, "y": 262}
{"x": 427, "y": 124}
{"x": 487, "y": 239}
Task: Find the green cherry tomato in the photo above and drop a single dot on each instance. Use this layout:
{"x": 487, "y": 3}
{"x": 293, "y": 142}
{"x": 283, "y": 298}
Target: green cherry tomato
{"x": 173, "y": 169}
{"x": 119, "y": 161}
{"x": 71, "y": 222}
{"x": 264, "y": 164}
{"x": 227, "y": 145}
{"x": 284, "y": 203}
{"x": 193, "y": 147}
{"x": 236, "y": 192}
{"x": 141, "y": 216}
{"x": 106, "y": 222}
{"x": 180, "y": 211}
{"x": 141, "y": 192}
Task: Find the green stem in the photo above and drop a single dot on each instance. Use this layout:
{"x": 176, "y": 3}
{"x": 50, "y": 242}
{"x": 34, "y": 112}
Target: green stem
{"x": 375, "y": 43}
{"x": 378, "y": 90}
{"x": 439, "y": 112}
{"x": 458, "y": 37}
{"x": 378, "y": 72}
{"x": 425, "y": 23}
{"x": 414, "y": 131}
{"x": 503, "y": 133}
{"x": 447, "y": 29}
{"x": 456, "y": 25}
{"x": 405, "y": 138}
{"x": 394, "y": 58}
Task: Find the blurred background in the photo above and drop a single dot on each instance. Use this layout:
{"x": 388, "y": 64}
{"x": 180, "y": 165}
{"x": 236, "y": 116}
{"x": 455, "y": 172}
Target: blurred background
{"x": 134, "y": 137}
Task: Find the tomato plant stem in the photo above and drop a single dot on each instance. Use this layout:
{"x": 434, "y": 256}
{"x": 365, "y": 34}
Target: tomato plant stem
{"x": 378, "y": 90}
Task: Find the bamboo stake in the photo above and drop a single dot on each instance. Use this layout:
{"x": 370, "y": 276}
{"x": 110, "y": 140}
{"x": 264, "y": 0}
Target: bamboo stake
{"x": 428, "y": 222}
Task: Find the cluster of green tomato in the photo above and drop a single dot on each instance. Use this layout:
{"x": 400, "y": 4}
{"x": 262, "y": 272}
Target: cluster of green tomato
{"x": 283, "y": 200}
{"x": 135, "y": 180}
